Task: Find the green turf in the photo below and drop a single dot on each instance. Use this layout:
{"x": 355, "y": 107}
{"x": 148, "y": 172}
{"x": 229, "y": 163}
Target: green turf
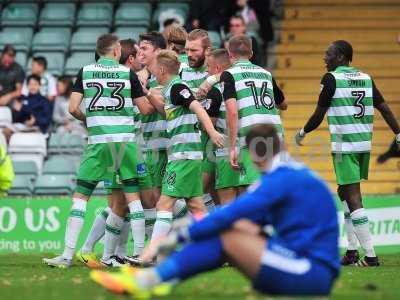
{"x": 23, "y": 277}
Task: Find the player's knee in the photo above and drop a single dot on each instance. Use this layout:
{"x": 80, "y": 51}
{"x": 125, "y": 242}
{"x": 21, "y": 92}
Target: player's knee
{"x": 165, "y": 204}
{"x": 229, "y": 240}
{"x": 196, "y": 206}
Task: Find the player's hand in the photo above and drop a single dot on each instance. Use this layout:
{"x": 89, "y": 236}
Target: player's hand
{"x": 218, "y": 139}
{"x": 233, "y": 158}
{"x": 203, "y": 90}
{"x": 299, "y": 137}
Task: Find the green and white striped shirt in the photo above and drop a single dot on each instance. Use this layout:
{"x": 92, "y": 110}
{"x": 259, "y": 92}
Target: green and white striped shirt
{"x": 351, "y": 111}
{"x": 182, "y": 125}
{"x": 255, "y": 97}
{"x": 108, "y": 90}
{"x": 194, "y": 77}
{"x": 154, "y": 126}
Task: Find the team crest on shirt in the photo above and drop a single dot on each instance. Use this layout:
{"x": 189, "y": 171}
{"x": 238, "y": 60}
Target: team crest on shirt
{"x": 185, "y": 93}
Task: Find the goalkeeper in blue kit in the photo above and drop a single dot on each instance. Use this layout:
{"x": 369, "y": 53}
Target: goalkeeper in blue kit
{"x": 299, "y": 257}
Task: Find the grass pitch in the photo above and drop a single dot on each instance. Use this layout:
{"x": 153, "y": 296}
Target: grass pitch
{"x": 24, "y": 277}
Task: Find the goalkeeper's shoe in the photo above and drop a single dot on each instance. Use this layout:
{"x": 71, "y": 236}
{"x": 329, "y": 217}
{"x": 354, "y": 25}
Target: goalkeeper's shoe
{"x": 58, "y": 262}
{"x": 88, "y": 259}
{"x": 113, "y": 262}
{"x": 120, "y": 283}
{"x": 350, "y": 258}
{"x": 368, "y": 262}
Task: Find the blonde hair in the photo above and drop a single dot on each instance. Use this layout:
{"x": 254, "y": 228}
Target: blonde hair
{"x": 221, "y": 56}
{"x": 176, "y": 37}
{"x": 169, "y": 60}
{"x": 200, "y": 34}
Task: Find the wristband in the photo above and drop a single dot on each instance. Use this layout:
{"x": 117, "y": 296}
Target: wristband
{"x": 211, "y": 80}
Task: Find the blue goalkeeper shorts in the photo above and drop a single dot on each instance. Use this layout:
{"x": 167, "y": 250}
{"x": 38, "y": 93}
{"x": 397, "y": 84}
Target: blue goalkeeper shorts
{"x": 285, "y": 273}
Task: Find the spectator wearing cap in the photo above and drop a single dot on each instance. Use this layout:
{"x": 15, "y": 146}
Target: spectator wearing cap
{"x": 237, "y": 26}
{"x": 11, "y": 76}
{"x": 48, "y": 83}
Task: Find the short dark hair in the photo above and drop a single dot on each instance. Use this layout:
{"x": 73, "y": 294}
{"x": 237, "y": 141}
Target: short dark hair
{"x": 344, "y": 48}
{"x": 9, "y": 49}
{"x": 261, "y": 138}
{"x": 105, "y": 42}
{"x": 127, "y": 48}
{"x": 33, "y": 77}
{"x": 238, "y": 17}
{"x": 41, "y": 60}
{"x": 155, "y": 38}
{"x": 67, "y": 80}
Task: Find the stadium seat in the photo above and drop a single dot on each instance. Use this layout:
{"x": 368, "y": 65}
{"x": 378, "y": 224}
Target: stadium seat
{"x": 170, "y": 10}
{"x": 5, "y": 116}
{"x": 66, "y": 143}
{"x": 76, "y": 61}
{"x": 57, "y": 14}
{"x": 22, "y": 185}
{"x": 20, "y": 14}
{"x": 130, "y": 32}
{"x": 22, "y": 142}
{"x": 85, "y": 38}
{"x": 51, "y": 39}
{"x": 20, "y": 38}
{"x": 215, "y": 38}
{"x": 95, "y": 14}
{"x": 25, "y": 168}
{"x": 21, "y": 58}
{"x": 51, "y": 184}
{"x": 55, "y": 62}
{"x": 36, "y": 158}
{"x": 133, "y": 14}
{"x": 59, "y": 165}
{"x": 3, "y": 141}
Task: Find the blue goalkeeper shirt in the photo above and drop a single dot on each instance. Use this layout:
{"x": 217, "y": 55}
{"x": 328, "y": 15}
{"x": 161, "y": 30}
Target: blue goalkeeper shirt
{"x": 298, "y": 205}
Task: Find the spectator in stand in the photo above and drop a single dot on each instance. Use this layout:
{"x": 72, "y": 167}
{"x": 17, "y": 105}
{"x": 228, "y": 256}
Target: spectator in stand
{"x": 11, "y": 76}
{"x": 63, "y": 120}
{"x": 208, "y": 14}
{"x": 48, "y": 84}
{"x": 237, "y": 26}
{"x": 248, "y": 14}
{"x": 31, "y": 112}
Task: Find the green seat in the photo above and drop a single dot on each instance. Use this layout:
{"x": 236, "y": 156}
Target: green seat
{"x": 54, "y": 184}
{"x": 55, "y": 62}
{"x": 22, "y": 185}
{"x": 59, "y": 165}
{"x": 133, "y": 14}
{"x": 20, "y": 38}
{"x": 25, "y": 168}
{"x": 95, "y": 14}
{"x": 130, "y": 32}
{"x": 20, "y": 14}
{"x": 215, "y": 38}
{"x": 21, "y": 58}
{"x": 181, "y": 9}
{"x": 66, "y": 143}
{"x": 85, "y": 38}
{"x": 51, "y": 39}
{"x": 57, "y": 14}
{"x": 76, "y": 61}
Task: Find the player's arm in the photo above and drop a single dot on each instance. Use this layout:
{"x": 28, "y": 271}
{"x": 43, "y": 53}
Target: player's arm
{"x": 231, "y": 115}
{"x": 279, "y": 97}
{"x": 386, "y": 112}
{"x": 182, "y": 95}
{"x": 207, "y": 85}
{"x": 259, "y": 198}
{"x": 157, "y": 100}
{"x": 137, "y": 93}
{"x": 215, "y": 96}
{"x": 328, "y": 85}
{"x": 76, "y": 97}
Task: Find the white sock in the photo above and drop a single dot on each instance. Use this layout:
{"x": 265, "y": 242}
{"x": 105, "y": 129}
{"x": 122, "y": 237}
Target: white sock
{"x": 96, "y": 232}
{"x": 138, "y": 226}
{"x": 121, "y": 250}
{"x": 150, "y": 218}
{"x": 348, "y": 226}
{"x": 208, "y": 202}
{"x": 162, "y": 225}
{"x": 361, "y": 229}
{"x": 180, "y": 209}
{"x": 114, "y": 224}
{"x": 74, "y": 226}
